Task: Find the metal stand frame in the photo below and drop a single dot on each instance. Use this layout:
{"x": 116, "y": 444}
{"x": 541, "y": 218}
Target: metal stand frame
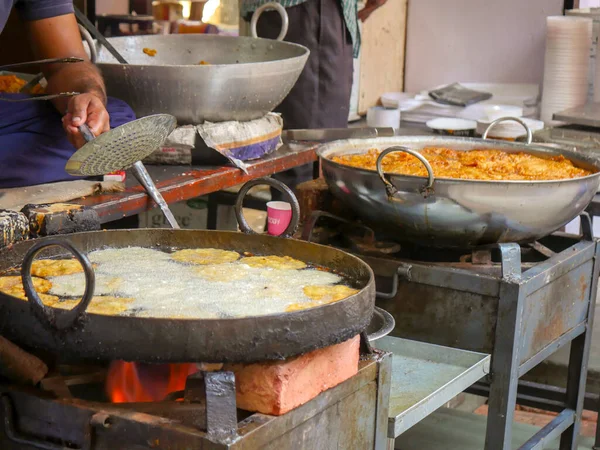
{"x": 508, "y": 365}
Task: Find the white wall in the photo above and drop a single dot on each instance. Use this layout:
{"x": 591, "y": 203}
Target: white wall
{"x": 499, "y": 41}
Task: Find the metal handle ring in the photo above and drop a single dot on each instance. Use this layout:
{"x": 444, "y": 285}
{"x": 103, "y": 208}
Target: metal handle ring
{"x": 293, "y": 201}
{"x": 387, "y": 326}
{"x": 509, "y": 119}
{"x": 87, "y": 37}
{"x": 285, "y": 20}
{"x": 45, "y": 314}
{"x": 390, "y": 188}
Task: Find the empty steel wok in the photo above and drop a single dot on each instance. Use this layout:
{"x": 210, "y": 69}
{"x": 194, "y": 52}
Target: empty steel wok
{"x": 246, "y": 77}
{"x": 443, "y": 212}
{"x": 77, "y": 335}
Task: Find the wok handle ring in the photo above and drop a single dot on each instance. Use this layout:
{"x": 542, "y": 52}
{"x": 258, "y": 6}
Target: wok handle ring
{"x": 509, "y": 119}
{"x": 389, "y": 187}
{"x": 87, "y": 38}
{"x": 239, "y": 204}
{"x": 285, "y": 20}
{"x": 45, "y": 314}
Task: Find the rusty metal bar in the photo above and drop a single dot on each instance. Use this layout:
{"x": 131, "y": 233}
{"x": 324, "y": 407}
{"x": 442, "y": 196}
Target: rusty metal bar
{"x": 557, "y": 266}
{"x": 550, "y": 432}
{"x": 578, "y": 362}
{"x": 551, "y": 348}
{"x": 383, "y": 401}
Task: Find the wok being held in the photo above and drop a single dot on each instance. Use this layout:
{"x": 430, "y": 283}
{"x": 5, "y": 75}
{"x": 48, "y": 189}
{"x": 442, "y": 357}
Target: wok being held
{"x": 37, "y": 138}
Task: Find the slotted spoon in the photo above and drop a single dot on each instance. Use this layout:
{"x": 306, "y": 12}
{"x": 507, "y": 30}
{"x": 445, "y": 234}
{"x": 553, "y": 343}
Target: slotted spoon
{"x": 122, "y": 148}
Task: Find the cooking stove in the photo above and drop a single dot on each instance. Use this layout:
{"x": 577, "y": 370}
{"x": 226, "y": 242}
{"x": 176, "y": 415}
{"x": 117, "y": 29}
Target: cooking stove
{"x": 69, "y": 410}
{"x": 519, "y": 303}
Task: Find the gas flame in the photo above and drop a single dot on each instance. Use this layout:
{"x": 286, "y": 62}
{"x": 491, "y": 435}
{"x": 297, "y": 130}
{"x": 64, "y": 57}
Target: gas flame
{"x": 136, "y": 382}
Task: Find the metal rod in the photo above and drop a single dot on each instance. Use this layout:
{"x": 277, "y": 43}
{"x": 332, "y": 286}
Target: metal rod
{"x": 67, "y": 60}
{"x": 94, "y": 31}
{"x": 142, "y": 175}
{"x": 550, "y": 432}
{"x": 38, "y": 97}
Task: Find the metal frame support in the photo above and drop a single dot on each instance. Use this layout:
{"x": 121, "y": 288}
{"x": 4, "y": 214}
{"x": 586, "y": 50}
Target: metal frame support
{"x": 578, "y": 358}
{"x": 506, "y": 367}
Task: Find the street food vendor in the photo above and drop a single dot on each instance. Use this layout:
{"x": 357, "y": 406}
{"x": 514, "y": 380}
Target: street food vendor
{"x": 38, "y": 137}
{"x": 321, "y": 96}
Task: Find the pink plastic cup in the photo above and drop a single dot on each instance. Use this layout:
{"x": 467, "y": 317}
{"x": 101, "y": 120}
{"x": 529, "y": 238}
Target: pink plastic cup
{"x": 279, "y": 216}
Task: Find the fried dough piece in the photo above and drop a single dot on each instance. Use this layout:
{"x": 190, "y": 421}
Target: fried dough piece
{"x": 20, "y": 293}
{"x": 222, "y": 272}
{"x": 55, "y": 267}
{"x": 300, "y": 306}
{"x": 107, "y": 306}
{"x": 149, "y": 51}
{"x": 322, "y": 295}
{"x": 328, "y": 294}
{"x": 205, "y": 256}
{"x": 14, "y": 283}
{"x": 274, "y": 262}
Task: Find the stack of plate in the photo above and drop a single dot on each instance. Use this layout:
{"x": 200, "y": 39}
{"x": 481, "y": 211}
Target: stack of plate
{"x": 508, "y": 129}
{"x": 566, "y": 64}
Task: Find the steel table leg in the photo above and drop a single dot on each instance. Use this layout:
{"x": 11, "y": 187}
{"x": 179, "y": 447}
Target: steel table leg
{"x": 578, "y": 364}
{"x": 504, "y": 370}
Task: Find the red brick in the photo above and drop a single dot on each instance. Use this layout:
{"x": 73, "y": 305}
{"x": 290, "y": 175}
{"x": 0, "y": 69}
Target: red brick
{"x": 275, "y": 388}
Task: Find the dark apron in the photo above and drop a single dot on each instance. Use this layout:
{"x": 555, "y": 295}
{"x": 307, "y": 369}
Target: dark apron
{"x": 33, "y": 144}
{"x": 321, "y": 97}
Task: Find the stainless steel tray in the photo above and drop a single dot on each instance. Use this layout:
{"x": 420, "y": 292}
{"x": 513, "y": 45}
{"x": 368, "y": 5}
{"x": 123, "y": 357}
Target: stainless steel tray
{"x": 425, "y": 377}
{"x": 586, "y": 115}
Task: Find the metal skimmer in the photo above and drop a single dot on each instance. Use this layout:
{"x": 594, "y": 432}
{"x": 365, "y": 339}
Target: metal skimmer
{"x": 122, "y": 148}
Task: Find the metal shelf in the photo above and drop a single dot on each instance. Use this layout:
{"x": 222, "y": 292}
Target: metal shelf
{"x": 425, "y": 377}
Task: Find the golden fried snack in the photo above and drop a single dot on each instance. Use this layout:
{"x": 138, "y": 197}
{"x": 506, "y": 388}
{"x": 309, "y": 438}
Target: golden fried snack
{"x": 328, "y": 294}
{"x": 322, "y": 295}
{"x": 203, "y": 63}
{"x": 20, "y": 293}
{"x": 11, "y": 84}
{"x": 107, "y": 306}
{"x": 273, "y": 262}
{"x": 14, "y": 283}
{"x": 55, "y": 267}
{"x": 484, "y": 164}
{"x": 300, "y": 306}
{"x": 149, "y": 51}
{"x": 205, "y": 256}
{"x": 222, "y": 272}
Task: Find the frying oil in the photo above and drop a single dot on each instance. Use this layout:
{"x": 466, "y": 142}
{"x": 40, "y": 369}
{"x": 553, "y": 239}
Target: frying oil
{"x": 162, "y": 287}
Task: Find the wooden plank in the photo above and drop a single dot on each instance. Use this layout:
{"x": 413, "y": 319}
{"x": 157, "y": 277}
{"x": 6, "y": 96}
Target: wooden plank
{"x": 180, "y": 183}
{"x": 382, "y": 53}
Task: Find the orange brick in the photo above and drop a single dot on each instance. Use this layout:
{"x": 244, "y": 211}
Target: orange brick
{"x": 275, "y": 388}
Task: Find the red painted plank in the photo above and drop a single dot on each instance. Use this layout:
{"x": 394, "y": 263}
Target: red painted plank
{"x": 179, "y": 183}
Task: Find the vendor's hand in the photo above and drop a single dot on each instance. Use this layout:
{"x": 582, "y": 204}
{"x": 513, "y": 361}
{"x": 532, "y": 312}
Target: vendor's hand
{"x": 89, "y": 109}
{"x": 371, "y": 6}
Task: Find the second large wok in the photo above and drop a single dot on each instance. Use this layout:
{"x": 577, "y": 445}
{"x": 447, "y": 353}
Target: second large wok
{"x": 442, "y": 212}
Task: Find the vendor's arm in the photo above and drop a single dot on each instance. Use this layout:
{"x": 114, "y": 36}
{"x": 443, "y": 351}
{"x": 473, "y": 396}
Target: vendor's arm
{"x": 59, "y": 37}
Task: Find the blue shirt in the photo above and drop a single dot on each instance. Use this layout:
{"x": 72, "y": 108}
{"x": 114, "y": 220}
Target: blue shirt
{"x": 34, "y": 9}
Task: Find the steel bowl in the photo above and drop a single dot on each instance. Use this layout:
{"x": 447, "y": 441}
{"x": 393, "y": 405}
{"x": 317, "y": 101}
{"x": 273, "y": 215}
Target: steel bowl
{"x": 455, "y": 213}
{"x": 247, "y": 77}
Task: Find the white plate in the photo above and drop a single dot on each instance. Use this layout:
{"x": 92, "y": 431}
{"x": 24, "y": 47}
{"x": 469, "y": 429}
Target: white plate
{"x": 450, "y": 124}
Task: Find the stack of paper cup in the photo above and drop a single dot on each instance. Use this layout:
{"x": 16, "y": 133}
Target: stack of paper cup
{"x": 566, "y": 64}
{"x": 383, "y": 117}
